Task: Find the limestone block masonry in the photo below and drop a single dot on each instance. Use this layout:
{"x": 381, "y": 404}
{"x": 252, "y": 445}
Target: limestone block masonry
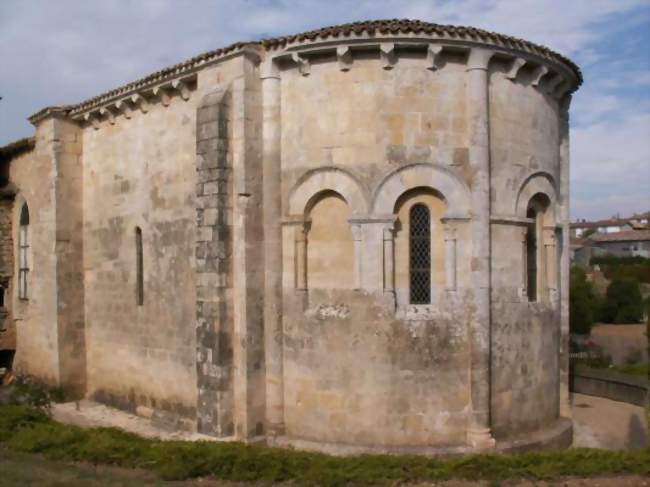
{"x": 351, "y": 240}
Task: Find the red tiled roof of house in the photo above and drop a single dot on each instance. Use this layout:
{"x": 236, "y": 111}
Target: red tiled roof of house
{"x": 626, "y": 236}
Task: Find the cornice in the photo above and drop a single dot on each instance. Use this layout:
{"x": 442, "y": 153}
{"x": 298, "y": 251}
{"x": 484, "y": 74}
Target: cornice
{"x": 384, "y": 32}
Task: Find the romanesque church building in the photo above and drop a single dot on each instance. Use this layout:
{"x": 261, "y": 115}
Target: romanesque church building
{"x": 353, "y": 239}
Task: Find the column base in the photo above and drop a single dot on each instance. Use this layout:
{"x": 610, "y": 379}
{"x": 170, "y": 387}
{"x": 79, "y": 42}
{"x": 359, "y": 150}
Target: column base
{"x": 480, "y": 439}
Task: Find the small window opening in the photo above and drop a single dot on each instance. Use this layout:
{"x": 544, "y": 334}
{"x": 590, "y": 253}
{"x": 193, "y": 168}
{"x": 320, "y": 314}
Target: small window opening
{"x": 2, "y": 297}
{"x": 531, "y": 256}
{"x": 139, "y": 267}
{"x": 420, "y": 254}
{"x": 23, "y": 253}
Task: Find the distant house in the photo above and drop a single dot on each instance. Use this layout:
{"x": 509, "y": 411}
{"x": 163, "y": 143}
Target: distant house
{"x": 627, "y": 243}
{"x": 612, "y": 225}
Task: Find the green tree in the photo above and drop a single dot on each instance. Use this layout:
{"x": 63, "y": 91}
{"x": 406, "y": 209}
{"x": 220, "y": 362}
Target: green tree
{"x": 623, "y": 303}
{"x": 583, "y": 302}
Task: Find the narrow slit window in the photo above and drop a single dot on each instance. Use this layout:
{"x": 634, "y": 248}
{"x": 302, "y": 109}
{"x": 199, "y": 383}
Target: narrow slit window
{"x": 420, "y": 254}
{"x": 531, "y": 260}
{"x": 23, "y": 253}
{"x": 139, "y": 267}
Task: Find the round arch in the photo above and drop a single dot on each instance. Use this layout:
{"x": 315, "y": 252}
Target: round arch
{"x": 334, "y": 179}
{"x": 440, "y": 179}
{"x": 533, "y": 184}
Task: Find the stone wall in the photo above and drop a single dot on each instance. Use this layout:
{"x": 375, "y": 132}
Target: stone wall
{"x": 138, "y": 172}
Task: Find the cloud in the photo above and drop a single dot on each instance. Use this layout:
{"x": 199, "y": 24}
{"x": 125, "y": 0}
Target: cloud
{"x": 66, "y": 51}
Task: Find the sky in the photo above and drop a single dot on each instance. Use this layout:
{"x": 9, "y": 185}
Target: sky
{"x": 63, "y": 51}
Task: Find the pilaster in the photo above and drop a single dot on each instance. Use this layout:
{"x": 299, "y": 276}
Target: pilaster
{"x": 479, "y": 435}
{"x": 272, "y": 208}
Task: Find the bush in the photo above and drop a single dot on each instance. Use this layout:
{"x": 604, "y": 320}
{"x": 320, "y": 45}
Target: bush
{"x": 613, "y": 267}
{"x": 583, "y": 302}
{"x": 623, "y": 303}
{"x": 28, "y": 391}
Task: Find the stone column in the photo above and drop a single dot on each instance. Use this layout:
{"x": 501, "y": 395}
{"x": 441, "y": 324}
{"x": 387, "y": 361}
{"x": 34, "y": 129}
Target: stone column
{"x": 389, "y": 259}
{"x": 565, "y": 401}
{"x": 524, "y": 263}
{"x": 357, "y": 236}
{"x": 478, "y": 434}
{"x": 550, "y": 270}
{"x": 301, "y": 255}
{"x": 450, "y": 256}
{"x": 272, "y": 210}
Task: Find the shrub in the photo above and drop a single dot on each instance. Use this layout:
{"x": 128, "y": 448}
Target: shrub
{"x": 583, "y": 302}
{"x": 29, "y": 391}
{"x": 623, "y": 303}
{"x": 613, "y": 267}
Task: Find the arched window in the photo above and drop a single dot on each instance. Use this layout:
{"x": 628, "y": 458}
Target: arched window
{"x": 23, "y": 253}
{"x": 139, "y": 267}
{"x": 531, "y": 256}
{"x": 537, "y": 272}
{"x": 420, "y": 254}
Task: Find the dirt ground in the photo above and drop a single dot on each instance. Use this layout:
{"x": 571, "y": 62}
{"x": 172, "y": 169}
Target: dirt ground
{"x": 612, "y": 425}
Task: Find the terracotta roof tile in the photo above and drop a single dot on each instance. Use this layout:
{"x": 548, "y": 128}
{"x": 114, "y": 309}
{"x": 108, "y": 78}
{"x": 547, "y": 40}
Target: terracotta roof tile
{"x": 627, "y": 236}
{"x": 15, "y": 148}
{"x": 371, "y": 27}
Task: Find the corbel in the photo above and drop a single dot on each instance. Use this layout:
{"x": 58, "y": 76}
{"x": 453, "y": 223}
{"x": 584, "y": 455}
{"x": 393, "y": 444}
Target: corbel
{"x": 344, "y": 57}
{"x": 182, "y": 87}
{"x": 553, "y": 83}
{"x": 140, "y": 102}
{"x": 162, "y": 92}
{"x": 434, "y": 56}
{"x": 124, "y": 107}
{"x": 92, "y": 118}
{"x": 538, "y": 74}
{"x": 105, "y": 111}
{"x": 517, "y": 64}
{"x": 388, "y": 55}
{"x": 563, "y": 89}
{"x": 303, "y": 63}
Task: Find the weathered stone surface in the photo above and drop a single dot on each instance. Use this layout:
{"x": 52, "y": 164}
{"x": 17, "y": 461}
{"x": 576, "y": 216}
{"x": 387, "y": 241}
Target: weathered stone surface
{"x": 273, "y": 188}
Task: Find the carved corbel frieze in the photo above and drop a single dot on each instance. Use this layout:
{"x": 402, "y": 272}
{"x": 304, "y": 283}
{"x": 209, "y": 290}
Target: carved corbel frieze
{"x": 304, "y": 66}
{"x": 344, "y": 57}
{"x": 140, "y": 102}
{"x": 538, "y": 74}
{"x": 108, "y": 113}
{"x": 563, "y": 89}
{"x": 163, "y": 93}
{"x": 434, "y": 57}
{"x": 388, "y": 55}
{"x": 517, "y": 64}
{"x": 92, "y": 118}
{"x": 553, "y": 83}
{"x": 182, "y": 87}
{"x": 124, "y": 107}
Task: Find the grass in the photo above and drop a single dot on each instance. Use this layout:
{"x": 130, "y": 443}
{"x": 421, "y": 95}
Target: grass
{"x": 28, "y": 430}
{"x": 638, "y": 369}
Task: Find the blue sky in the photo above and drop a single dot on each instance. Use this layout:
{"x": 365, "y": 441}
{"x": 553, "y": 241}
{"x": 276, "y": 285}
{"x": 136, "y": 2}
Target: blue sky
{"x": 57, "y": 52}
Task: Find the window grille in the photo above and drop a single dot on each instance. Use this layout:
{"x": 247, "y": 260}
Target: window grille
{"x": 420, "y": 255}
{"x": 23, "y": 253}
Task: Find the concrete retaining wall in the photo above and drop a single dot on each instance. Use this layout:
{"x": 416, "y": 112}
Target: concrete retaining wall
{"x": 610, "y": 384}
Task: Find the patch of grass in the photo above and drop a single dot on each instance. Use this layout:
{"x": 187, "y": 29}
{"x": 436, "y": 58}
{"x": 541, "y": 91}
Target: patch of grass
{"x": 639, "y": 369}
{"x": 27, "y": 430}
